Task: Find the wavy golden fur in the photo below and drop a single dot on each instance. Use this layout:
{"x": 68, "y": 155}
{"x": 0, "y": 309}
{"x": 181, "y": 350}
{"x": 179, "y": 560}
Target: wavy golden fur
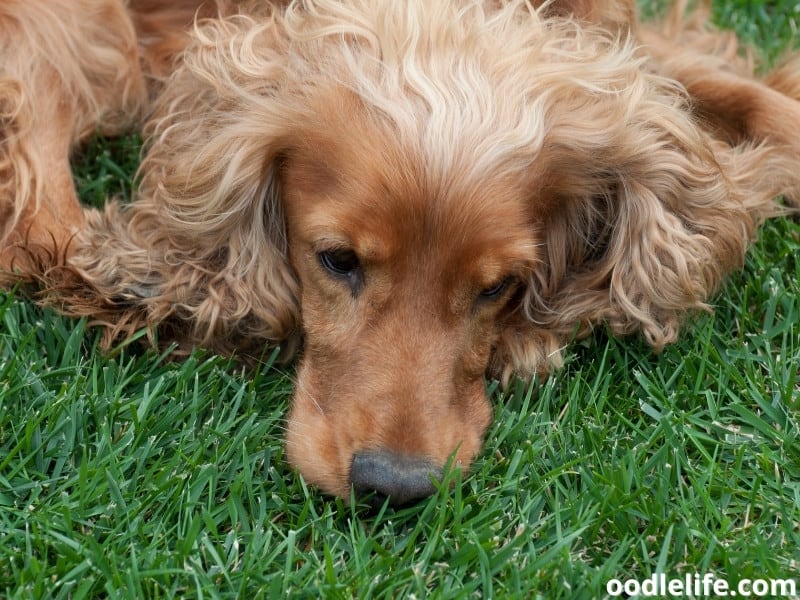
{"x": 411, "y": 193}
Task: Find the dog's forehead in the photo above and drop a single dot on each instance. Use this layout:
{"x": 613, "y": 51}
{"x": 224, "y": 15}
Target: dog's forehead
{"x": 386, "y": 201}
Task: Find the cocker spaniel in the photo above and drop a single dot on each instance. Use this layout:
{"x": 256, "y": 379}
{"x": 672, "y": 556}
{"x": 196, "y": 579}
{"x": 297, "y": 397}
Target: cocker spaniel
{"x": 406, "y": 194}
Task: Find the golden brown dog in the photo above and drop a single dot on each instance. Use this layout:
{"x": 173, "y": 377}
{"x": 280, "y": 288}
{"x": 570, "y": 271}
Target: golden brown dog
{"x": 413, "y": 193}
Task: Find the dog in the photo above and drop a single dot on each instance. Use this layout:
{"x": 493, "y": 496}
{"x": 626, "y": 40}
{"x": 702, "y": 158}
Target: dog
{"x": 407, "y": 196}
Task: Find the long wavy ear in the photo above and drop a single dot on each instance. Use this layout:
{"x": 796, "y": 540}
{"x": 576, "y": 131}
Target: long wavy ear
{"x": 642, "y": 215}
{"x": 202, "y": 251}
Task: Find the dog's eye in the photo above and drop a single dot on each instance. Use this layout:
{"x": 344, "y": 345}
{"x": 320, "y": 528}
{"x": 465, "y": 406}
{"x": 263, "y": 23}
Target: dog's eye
{"x": 343, "y": 263}
{"x": 497, "y": 290}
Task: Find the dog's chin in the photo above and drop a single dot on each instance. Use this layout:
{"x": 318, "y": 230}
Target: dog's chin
{"x": 375, "y": 455}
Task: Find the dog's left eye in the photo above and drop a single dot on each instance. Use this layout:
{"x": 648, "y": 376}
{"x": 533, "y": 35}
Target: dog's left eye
{"x": 497, "y": 290}
{"x": 342, "y": 263}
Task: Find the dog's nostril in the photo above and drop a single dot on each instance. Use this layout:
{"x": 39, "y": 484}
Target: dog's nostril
{"x": 402, "y": 479}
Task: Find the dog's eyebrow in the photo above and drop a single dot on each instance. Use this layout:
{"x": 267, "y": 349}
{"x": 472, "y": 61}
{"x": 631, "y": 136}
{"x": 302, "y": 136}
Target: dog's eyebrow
{"x": 327, "y": 244}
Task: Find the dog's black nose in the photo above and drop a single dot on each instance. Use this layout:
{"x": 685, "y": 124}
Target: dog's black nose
{"x": 401, "y": 479}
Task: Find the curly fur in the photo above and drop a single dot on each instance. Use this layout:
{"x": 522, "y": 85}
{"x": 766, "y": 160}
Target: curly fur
{"x": 594, "y": 162}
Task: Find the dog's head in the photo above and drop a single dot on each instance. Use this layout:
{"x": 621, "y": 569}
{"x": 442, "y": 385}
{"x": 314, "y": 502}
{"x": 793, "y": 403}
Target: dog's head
{"x": 425, "y": 191}
{"x": 408, "y": 258}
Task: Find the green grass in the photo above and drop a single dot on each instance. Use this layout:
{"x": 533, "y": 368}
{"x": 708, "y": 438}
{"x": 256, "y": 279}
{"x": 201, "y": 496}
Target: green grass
{"x": 135, "y": 477}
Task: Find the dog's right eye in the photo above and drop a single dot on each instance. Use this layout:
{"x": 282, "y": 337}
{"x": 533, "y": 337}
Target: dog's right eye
{"x": 342, "y": 263}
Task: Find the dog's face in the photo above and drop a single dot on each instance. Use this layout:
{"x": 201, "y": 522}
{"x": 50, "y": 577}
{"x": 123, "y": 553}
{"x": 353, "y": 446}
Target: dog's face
{"x": 406, "y": 276}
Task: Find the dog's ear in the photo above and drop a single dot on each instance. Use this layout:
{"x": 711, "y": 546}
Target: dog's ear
{"x": 204, "y": 244}
{"x": 642, "y": 213}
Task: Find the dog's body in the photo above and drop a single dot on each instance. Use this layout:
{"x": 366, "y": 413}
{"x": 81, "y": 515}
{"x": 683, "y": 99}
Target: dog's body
{"x": 418, "y": 192}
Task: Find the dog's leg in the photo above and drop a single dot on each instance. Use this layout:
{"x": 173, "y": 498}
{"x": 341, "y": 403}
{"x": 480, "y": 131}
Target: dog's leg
{"x": 39, "y": 209}
{"x": 740, "y": 108}
{"x": 68, "y": 68}
{"x": 163, "y": 28}
{"x": 738, "y": 104}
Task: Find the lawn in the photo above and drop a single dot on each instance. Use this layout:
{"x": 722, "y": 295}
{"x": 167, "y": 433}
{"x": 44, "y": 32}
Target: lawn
{"x": 128, "y": 476}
